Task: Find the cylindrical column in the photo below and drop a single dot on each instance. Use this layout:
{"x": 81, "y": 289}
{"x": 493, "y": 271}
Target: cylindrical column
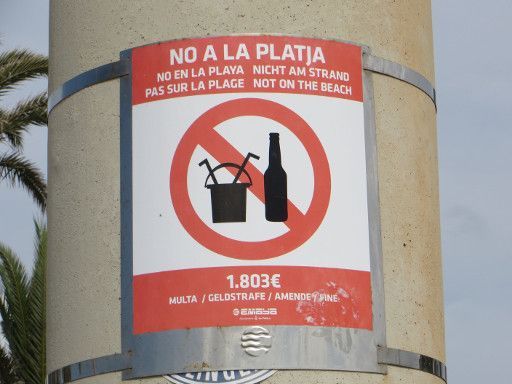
{"x": 83, "y": 208}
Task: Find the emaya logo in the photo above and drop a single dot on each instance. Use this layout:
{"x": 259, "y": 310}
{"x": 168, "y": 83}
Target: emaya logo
{"x": 254, "y": 311}
{"x": 252, "y": 376}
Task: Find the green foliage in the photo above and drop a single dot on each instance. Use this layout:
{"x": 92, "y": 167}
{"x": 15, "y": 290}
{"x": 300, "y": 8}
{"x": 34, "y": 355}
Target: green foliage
{"x": 17, "y": 169}
{"x": 17, "y": 66}
{"x": 14, "y": 123}
{"x": 23, "y": 307}
{"x": 7, "y": 374}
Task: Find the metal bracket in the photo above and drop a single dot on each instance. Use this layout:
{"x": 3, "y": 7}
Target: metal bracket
{"x": 119, "y": 362}
{"x": 398, "y": 71}
{"x": 86, "y": 79}
{"x": 97, "y": 366}
{"x": 412, "y": 360}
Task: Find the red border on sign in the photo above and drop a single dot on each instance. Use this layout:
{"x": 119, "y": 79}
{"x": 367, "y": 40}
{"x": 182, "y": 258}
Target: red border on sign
{"x": 202, "y": 132}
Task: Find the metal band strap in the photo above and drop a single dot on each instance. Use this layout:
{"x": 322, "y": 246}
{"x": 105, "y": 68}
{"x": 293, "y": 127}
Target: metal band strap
{"x": 88, "y": 368}
{"x": 119, "y": 362}
{"x": 406, "y": 359}
{"x": 86, "y": 79}
{"x": 400, "y": 72}
{"x": 122, "y": 67}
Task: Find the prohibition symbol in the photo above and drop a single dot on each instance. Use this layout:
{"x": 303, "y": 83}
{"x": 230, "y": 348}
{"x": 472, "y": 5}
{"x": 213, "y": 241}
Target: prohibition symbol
{"x": 202, "y": 133}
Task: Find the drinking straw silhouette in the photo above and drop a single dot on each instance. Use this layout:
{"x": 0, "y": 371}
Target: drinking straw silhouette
{"x": 210, "y": 170}
{"x": 242, "y": 167}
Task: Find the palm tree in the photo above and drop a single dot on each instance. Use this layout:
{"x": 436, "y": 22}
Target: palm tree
{"x": 17, "y": 66}
{"x": 22, "y": 307}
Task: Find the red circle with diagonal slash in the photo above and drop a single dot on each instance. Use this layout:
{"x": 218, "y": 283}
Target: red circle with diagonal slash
{"x": 202, "y": 132}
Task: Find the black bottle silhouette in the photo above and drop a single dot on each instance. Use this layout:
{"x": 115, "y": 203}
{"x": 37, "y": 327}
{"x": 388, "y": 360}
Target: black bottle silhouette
{"x": 276, "y": 200}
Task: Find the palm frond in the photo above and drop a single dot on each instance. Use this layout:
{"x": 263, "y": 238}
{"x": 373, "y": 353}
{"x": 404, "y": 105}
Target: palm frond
{"x": 18, "y": 170}
{"x": 18, "y": 65}
{"x": 37, "y": 299}
{"x": 7, "y": 370}
{"x": 23, "y": 307}
{"x": 15, "y": 122}
{"x": 15, "y": 311}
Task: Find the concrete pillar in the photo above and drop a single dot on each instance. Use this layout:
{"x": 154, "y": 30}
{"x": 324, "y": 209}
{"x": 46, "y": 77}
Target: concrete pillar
{"x": 83, "y": 208}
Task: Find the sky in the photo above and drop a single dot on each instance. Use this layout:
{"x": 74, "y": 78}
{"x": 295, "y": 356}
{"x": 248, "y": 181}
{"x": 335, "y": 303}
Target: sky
{"x": 473, "y": 77}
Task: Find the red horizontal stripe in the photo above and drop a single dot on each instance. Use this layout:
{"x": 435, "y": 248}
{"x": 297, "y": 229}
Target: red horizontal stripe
{"x": 338, "y": 298}
{"x": 148, "y": 61}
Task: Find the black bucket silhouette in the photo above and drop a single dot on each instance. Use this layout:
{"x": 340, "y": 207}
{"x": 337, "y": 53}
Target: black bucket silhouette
{"x": 229, "y": 200}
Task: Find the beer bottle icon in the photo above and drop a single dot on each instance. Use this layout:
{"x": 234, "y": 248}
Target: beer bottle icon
{"x": 276, "y": 199}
